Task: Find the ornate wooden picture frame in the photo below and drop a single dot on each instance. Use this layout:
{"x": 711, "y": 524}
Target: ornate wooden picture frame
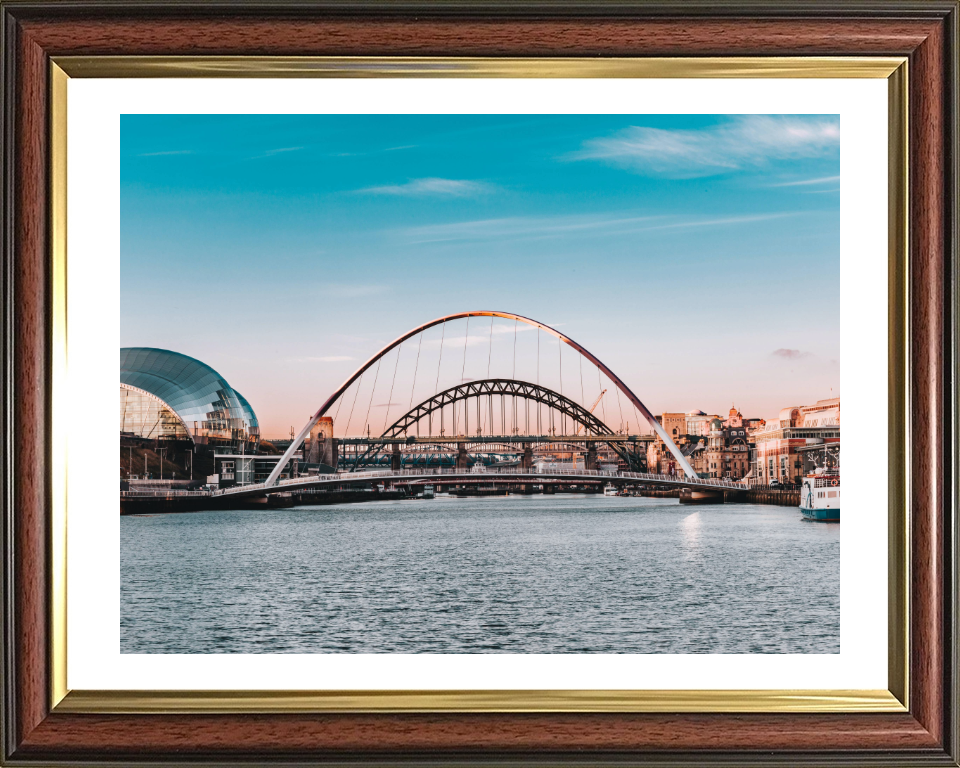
{"x": 915, "y": 721}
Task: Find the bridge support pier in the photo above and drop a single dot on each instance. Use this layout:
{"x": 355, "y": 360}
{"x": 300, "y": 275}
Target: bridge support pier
{"x": 395, "y": 462}
{"x": 462, "y": 456}
{"x": 591, "y": 460}
{"x": 699, "y": 496}
{"x": 526, "y": 461}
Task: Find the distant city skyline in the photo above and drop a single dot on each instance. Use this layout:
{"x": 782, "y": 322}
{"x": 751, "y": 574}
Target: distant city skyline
{"x": 697, "y": 256}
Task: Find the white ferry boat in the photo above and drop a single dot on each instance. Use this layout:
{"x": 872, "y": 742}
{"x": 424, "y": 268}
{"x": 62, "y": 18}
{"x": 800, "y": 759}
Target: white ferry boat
{"x": 610, "y": 490}
{"x": 820, "y": 496}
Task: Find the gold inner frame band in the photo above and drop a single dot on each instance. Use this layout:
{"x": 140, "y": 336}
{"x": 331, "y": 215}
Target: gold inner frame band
{"x": 58, "y": 368}
{"x": 731, "y": 701}
{"x": 893, "y": 69}
{"x": 440, "y": 67}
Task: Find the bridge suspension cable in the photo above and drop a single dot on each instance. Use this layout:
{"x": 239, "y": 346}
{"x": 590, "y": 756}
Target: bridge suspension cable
{"x": 443, "y": 331}
{"x": 540, "y": 327}
{"x": 490, "y": 348}
{"x": 394, "y": 381}
{"x": 603, "y": 407}
{"x": 620, "y": 407}
{"x": 355, "y": 395}
{"x": 466, "y": 336}
{"x": 416, "y": 367}
{"x": 376, "y": 376}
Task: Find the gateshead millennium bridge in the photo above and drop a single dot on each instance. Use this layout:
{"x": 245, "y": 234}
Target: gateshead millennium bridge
{"x": 482, "y": 415}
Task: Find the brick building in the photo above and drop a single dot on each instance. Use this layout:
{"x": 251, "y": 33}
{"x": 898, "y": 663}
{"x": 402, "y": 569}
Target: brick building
{"x": 777, "y": 455}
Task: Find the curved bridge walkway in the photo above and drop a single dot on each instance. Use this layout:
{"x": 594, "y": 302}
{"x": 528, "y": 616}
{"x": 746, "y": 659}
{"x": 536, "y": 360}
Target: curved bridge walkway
{"x": 489, "y": 475}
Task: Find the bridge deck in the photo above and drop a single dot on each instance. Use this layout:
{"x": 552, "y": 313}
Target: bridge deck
{"x": 449, "y": 475}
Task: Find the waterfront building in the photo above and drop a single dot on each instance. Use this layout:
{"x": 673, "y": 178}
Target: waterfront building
{"x": 752, "y": 425}
{"x": 232, "y": 469}
{"x": 727, "y": 453}
{"x": 674, "y": 424}
{"x": 698, "y": 423}
{"x": 824, "y": 413}
{"x": 734, "y": 418}
{"x": 779, "y": 450}
{"x": 166, "y": 396}
{"x": 825, "y": 456}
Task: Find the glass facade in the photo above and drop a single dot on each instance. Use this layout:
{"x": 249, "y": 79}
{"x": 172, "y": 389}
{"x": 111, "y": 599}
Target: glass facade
{"x": 144, "y": 415}
{"x": 196, "y": 396}
{"x": 253, "y": 426}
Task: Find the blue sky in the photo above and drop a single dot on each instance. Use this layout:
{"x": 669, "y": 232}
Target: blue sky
{"x": 698, "y": 256}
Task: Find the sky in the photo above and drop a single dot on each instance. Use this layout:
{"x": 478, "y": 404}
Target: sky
{"x": 698, "y": 256}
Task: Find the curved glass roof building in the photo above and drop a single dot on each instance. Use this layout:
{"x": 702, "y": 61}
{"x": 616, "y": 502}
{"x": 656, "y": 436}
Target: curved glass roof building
{"x": 167, "y": 395}
{"x": 253, "y": 425}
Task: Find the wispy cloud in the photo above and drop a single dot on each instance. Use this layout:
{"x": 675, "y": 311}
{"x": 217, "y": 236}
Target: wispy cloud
{"x": 167, "y": 152}
{"x": 808, "y": 182}
{"x": 789, "y": 354}
{"x": 518, "y": 328}
{"x": 535, "y": 228}
{"x": 277, "y": 151}
{"x": 748, "y": 140}
{"x": 432, "y": 186}
{"x": 282, "y": 149}
{"x": 521, "y": 227}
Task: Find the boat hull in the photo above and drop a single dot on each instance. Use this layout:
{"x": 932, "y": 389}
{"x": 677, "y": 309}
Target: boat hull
{"x": 829, "y": 515}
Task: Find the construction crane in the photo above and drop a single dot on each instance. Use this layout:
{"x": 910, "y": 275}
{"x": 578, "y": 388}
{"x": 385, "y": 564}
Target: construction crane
{"x": 595, "y": 404}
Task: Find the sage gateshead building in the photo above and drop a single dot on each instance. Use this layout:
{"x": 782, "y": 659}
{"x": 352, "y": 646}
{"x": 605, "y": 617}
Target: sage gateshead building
{"x": 167, "y": 396}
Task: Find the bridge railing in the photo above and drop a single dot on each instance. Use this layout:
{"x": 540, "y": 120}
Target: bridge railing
{"x": 161, "y": 492}
{"x": 646, "y": 477}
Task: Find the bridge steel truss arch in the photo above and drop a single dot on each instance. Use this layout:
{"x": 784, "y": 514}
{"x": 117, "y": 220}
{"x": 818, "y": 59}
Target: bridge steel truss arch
{"x": 614, "y": 379}
{"x": 496, "y": 388}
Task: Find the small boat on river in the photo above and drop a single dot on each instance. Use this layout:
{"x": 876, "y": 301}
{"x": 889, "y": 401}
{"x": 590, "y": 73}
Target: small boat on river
{"x": 820, "y": 496}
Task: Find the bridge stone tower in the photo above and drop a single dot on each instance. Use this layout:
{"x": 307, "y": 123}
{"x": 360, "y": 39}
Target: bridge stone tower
{"x": 462, "y": 462}
{"x": 526, "y": 462}
{"x": 590, "y": 462}
{"x": 321, "y": 448}
{"x": 395, "y": 458}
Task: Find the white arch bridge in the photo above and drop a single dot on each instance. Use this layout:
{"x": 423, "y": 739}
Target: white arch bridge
{"x": 491, "y": 387}
{"x": 489, "y": 475}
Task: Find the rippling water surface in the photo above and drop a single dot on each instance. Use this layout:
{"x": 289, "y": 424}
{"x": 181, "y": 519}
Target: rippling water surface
{"x": 534, "y": 574}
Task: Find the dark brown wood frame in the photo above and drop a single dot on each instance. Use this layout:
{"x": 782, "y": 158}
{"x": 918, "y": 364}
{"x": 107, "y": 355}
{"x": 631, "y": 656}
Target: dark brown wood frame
{"x": 926, "y": 32}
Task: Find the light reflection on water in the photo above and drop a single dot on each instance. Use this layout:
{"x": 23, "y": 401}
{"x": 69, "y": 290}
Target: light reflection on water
{"x": 690, "y": 526}
{"x": 537, "y": 574}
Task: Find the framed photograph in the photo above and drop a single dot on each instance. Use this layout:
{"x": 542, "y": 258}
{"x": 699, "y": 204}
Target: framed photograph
{"x": 480, "y": 378}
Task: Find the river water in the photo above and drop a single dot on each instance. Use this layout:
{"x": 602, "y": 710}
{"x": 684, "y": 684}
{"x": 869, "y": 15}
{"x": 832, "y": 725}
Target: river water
{"x": 524, "y": 574}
